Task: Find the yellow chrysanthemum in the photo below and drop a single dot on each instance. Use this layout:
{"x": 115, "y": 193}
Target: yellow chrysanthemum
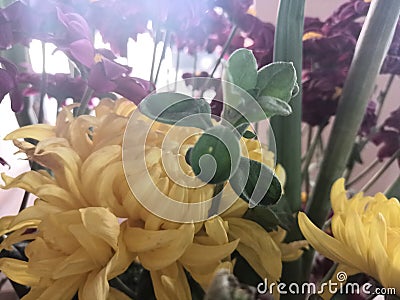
{"x": 85, "y": 157}
{"x": 72, "y": 251}
{"x": 366, "y": 235}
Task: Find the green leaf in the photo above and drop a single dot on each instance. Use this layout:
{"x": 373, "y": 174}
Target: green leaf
{"x": 242, "y": 128}
{"x": 255, "y": 183}
{"x": 215, "y": 156}
{"x": 263, "y": 216}
{"x": 242, "y": 69}
{"x": 277, "y": 80}
{"x": 249, "y": 135}
{"x": 176, "y": 108}
{"x": 242, "y": 131}
{"x": 273, "y": 106}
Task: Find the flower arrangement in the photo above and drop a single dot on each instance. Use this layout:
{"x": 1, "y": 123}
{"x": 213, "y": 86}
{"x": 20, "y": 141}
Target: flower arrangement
{"x": 199, "y": 188}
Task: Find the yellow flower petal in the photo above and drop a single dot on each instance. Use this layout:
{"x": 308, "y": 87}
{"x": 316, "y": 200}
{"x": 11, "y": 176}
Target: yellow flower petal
{"x": 115, "y": 294}
{"x": 327, "y": 245}
{"x": 194, "y": 255}
{"x": 158, "y": 249}
{"x": 257, "y": 247}
{"x": 170, "y": 283}
{"x": 216, "y": 230}
{"x": 17, "y": 271}
{"x": 37, "y": 132}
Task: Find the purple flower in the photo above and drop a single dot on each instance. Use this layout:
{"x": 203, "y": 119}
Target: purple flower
{"x": 347, "y": 13}
{"x": 104, "y": 72}
{"x": 389, "y": 136}
{"x": 369, "y": 121}
{"x": 13, "y": 20}
{"x": 59, "y": 86}
{"x": 9, "y": 84}
{"x": 321, "y": 92}
{"x": 328, "y": 48}
{"x": 133, "y": 89}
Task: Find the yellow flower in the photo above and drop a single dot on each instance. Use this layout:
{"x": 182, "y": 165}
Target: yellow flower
{"x": 72, "y": 251}
{"x": 85, "y": 157}
{"x": 366, "y": 234}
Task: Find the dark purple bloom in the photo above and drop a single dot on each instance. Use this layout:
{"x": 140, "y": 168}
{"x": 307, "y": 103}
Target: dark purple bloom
{"x": 104, "y": 72}
{"x": 347, "y": 13}
{"x": 59, "y": 86}
{"x": 133, "y": 89}
{"x": 9, "y": 84}
{"x": 369, "y": 121}
{"x": 389, "y": 136}
{"x": 13, "y": 20}
{"x": 328, "y": 48}
{"x": 321, "y": 92}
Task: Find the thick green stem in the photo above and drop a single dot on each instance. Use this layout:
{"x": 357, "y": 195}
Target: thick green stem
{"x": 372, "y": 46}
{"x": 287, "y": 130}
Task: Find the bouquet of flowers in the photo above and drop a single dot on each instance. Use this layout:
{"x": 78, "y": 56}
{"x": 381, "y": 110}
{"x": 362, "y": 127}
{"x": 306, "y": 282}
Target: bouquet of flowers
{"x": 193, "y": 183}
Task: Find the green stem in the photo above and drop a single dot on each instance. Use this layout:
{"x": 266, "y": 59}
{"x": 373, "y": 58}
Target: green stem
{"x": 364, "y": 140}
{"x": 178, "y": 58}
{"x": 382, "y": 170}
{"x": 43, "y": 85}
{"x": 227, "y": 43}
{"x": 164, "y": 49}
{"x": 310, "y": 152}
{"x": 24, "y": 202}
{"x": 153, "y": 59}
{"x": 373, "y": 43}
{"x": 394, "y": 189}
{"x": 121, "y": 286}
{"x": 287, "y": 130}
{"x": 363, "y": 173}
{"x": 85, "y": 101}
{"x": 288, "y": 46}
{"x": 383, "y": 94}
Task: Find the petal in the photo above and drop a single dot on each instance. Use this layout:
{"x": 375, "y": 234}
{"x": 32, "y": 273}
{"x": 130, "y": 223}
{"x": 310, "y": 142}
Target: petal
{"x": 101, "y": 223}
{"x": 338, "y": 195}
{"x": 257, "y": 247}
{"x": 158, "y": 249}
{"x": 95, "y": 287}
{"x": 204, "y": 274}
{"x": 170, "y": 283}
{"x": 122, "y": 258}
{"x": 194, "y": 255}
{"x": 99, "y": 250}
{"x": 216, "y": 230}
{"x": 83, "y": 51}
{"x": 17, "y": 271}
{"x": 115, "y": 294}
{"x": 62, "y": 289}
{"x": 327, "y": 245}
{"x": 292, "y": 251}
{"x": 37, "y": 132}
{"x": 77, "y": 263}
